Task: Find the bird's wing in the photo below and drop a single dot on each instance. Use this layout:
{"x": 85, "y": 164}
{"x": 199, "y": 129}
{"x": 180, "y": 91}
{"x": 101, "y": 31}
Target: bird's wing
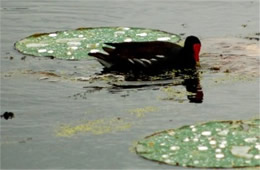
{"x": 141, "y": 53}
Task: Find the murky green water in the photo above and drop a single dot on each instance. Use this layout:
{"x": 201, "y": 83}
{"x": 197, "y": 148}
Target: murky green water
{"x": 63, "y": 123}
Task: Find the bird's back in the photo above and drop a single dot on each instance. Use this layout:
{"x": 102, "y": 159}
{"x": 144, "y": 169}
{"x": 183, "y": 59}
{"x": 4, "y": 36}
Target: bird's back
{"x": 138, "y": 55}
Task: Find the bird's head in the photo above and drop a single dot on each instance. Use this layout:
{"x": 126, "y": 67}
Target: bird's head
{"x": 193, "y": 44}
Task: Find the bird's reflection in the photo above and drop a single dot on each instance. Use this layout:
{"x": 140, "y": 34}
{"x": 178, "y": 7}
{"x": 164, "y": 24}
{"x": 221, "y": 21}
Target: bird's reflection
{"x": 190, "y": 78}
{"x": 192, "y": 84}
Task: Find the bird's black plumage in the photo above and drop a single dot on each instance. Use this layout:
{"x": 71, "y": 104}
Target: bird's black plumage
{"x": 148, "y": 56}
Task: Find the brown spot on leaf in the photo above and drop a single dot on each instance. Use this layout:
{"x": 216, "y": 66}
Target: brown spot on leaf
{"x": 38, "y": 35}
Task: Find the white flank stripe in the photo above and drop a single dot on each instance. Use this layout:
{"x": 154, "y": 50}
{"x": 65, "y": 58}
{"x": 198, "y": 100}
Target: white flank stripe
{"x": 139, "y": 61}
{"x": 145, "y": 60}
{"x": 104, "y": 52}
{"x": 153, "y": 59}
{"x": 160, "y": 56}
{"x": 131, "y": 61}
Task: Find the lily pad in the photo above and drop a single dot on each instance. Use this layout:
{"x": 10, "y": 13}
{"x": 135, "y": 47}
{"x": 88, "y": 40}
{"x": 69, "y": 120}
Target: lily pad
{"x": 76, "y": 44}
{"x": 218, "y": 144}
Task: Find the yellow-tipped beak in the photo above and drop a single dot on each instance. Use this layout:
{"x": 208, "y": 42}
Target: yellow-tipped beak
{"x": 197, "y": 63}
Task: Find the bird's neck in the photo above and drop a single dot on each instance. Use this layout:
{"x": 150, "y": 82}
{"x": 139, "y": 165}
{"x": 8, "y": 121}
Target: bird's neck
{"x": 187, "y": 57}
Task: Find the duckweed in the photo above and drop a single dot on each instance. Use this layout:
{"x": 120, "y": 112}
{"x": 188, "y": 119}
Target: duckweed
{"x": 96, "y": 127}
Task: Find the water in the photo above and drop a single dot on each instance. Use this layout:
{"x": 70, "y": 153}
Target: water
{"x": 41, "y": 106}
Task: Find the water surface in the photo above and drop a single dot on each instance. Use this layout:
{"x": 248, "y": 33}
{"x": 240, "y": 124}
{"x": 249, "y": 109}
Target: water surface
{"x": 43, "y": 103}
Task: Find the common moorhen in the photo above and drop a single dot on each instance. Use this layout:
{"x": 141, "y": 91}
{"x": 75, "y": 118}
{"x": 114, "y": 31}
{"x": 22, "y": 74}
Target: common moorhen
{"x": 149, "y": 56}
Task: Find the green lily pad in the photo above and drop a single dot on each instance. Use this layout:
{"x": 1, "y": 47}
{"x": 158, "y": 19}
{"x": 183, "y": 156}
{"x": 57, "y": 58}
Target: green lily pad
{"x": 218, "y": 144}
{"x": 76, "y": 44}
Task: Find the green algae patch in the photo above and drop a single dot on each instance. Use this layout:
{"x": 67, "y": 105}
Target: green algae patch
{"x": 232, "y": 78}
{"x": 140, "y": 112}
{"x": 174, "y": 94}
{"x": 96, "y": 127}
{"x": 76, "y": 44}
{"x": 218, "y": 144}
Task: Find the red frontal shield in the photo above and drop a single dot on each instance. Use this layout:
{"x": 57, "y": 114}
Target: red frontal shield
{"x": 196, "y": 50}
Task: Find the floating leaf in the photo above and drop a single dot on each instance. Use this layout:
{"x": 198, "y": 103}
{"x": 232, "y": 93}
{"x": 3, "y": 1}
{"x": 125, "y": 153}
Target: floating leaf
{"x": 219, "y": 144}
{"x": 76, "y": 44}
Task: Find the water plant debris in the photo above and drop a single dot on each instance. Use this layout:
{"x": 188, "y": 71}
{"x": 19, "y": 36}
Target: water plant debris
{"x": 95, "y": 127}
{"x": 7, "y": 115}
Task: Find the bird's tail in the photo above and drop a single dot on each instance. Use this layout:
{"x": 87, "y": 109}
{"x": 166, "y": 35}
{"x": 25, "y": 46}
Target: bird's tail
{"x": 105, "y": 58}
